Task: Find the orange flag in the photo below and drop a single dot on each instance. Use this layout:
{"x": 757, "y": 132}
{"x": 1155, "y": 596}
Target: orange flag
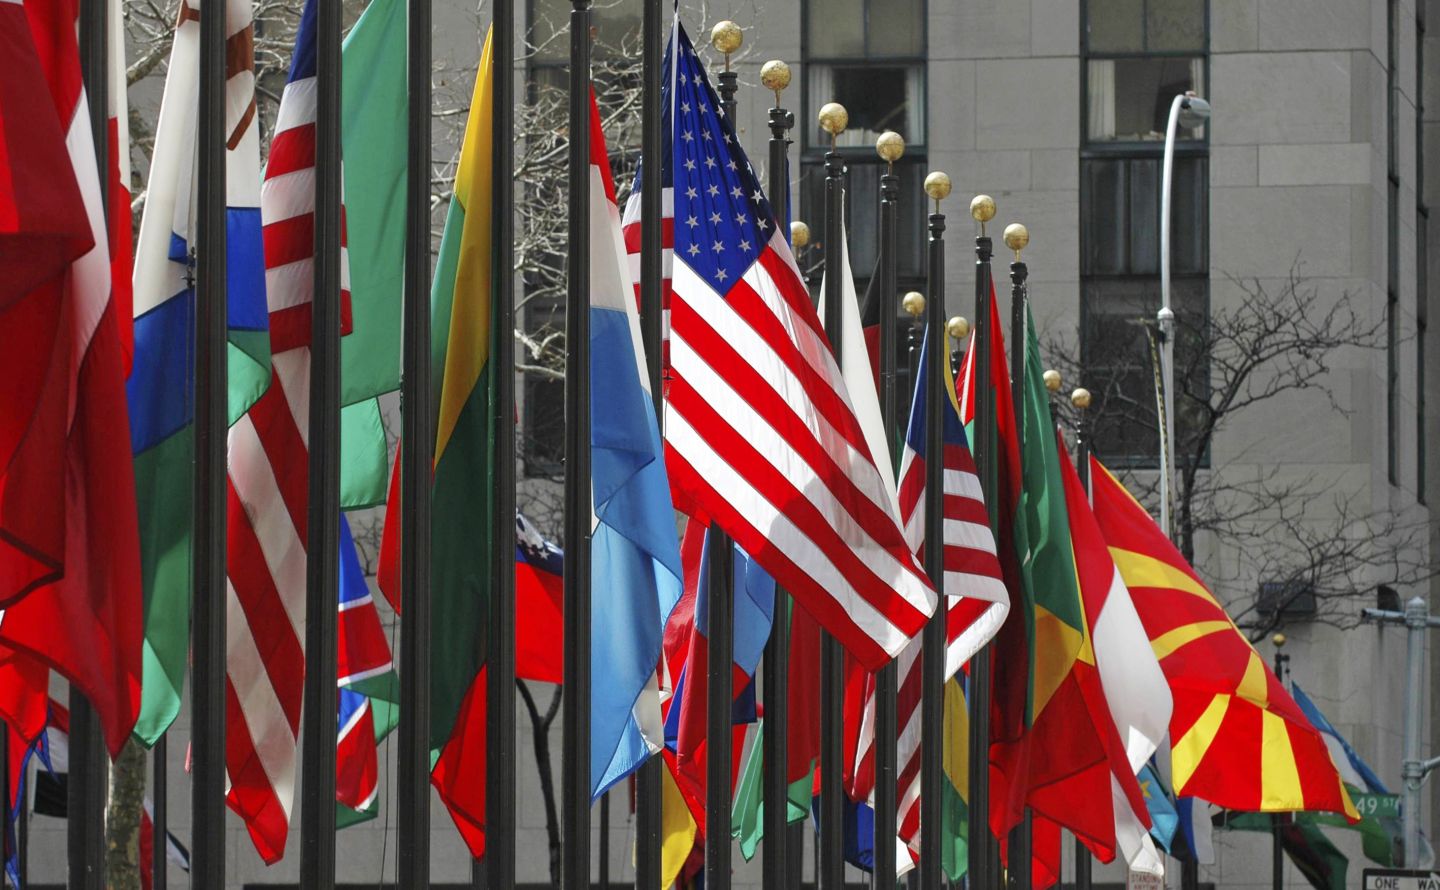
{"x": 1237, "y": 738}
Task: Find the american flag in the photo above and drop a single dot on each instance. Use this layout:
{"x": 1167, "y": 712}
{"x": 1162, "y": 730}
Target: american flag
{"x": 976, "y": 598}
{"x": 268, "y": 492}
{"x": 630, "y": 224}
{"x": 760, "y": 431}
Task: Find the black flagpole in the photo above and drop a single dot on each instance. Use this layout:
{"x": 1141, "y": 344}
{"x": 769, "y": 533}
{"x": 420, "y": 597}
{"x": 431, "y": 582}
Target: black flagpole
{"x": 775, "y": 76}
{"x": 159, "y": 812}
{"x": 417, "y": 457}
{"x": 983, "y": 872}
{"x": 87, "y": 791}
{"x": 575, "y": 771}
{"x": 1016, "y": 237}
{"x": 649, "y": 779}
{"x": 932, "y": 653}
{"x": 726, "y": 37}
{"x": 833, "y": 119}
{"x": 322, "y": 566}
{"x": 207, "y": 690}
{"x": 1080, "y": 398}
{"x": 890, "y": 148}
{"x": 500, "y": 806}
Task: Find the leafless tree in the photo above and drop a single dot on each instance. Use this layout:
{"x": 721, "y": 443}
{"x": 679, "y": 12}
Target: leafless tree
{"x": 1302, "y": 533}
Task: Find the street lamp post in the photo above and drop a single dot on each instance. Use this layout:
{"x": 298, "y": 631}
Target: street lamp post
{"x": 1192, "y": 111}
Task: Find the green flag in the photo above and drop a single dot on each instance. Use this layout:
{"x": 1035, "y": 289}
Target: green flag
{"x": 747, "y": 815}
{"x": 375, "y": 151}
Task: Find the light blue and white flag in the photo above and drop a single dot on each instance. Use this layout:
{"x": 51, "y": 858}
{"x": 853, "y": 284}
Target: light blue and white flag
{"x": 635, "y": 554}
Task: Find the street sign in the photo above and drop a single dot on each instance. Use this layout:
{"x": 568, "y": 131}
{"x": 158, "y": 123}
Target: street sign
{"x": 1136, "y": 880}
{"x": 1379, "y": 806}
{"x": 1401, "y": 879}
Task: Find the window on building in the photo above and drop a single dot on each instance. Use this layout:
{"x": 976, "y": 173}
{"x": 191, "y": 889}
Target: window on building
{"x": 868, "y": 55}
{"x": 1139, "y": 55}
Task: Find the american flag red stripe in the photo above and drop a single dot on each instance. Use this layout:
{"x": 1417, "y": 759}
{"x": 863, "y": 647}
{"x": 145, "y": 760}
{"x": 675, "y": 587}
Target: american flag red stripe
{"x": 630, "y": 225}
{"x": 268, "y": 492}
{"x": 760, "y": 432}
{"x": 976, "y": 598}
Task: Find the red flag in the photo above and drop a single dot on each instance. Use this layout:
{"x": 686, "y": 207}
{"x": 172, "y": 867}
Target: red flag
{"x": 459, "y": 774}
{"x": 72, "y": 473}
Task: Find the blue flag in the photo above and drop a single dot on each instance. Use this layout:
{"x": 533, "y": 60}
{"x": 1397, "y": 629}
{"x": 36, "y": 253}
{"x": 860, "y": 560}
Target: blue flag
{"x": 635, "y": 553}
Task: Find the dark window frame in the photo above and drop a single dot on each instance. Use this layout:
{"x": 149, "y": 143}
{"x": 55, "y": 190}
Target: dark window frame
{"x": 810, "y": 148}
{"x": 1129, "y": 150}
{"x": 1118, "y": 147}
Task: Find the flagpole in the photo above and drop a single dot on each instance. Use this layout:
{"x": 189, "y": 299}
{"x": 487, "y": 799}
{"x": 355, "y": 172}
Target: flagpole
{"x": 983, "y": 864}
{"x": 322, "y": 566}
{"x": 417, "y": 459}
{"x": 1016, "y": 237}
{"x": 159, "y": 812}
{"x": 890, "y": 147}
{"x": 932, "y": 651}
{"x": 207, "y": 690}
{"x": 833, "y": 119}
{"x": 87, "y": 791}
{"x": 1080, "y": 399}
{"x": 500, "y": 762}
{"x": 575, "y": 771}
{"x": 775, "y": 76}
{"x": 726, "y": 38}
{"x": 650, "y": 777}
{"x": 1278, "y": 820}
{"x": 914, "y": 305}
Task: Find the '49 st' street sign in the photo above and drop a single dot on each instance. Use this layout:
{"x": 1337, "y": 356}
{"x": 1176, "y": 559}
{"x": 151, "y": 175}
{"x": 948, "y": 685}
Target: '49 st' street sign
{"x": 1401, "y": 879}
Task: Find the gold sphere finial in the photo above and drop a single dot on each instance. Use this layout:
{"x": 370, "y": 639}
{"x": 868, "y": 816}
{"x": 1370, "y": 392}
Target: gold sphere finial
{"x": 1016, "y": 237}
{"x": 890, "y": 146}
{"x": 1278, "y": 640}
{"x": 775, "y": 77}
{"x": 799, "y": 234}
{"x": 982, "y": 209}
{"x": 1080, "y": 398}
{"x": 937, "y": 186}
{"x": 833, "y": 119}
{"x": 726, "y": 37}
{"x": 1052, "y": 380}
{"x": 957, "y": 327}
{"x": 913, "y": 303}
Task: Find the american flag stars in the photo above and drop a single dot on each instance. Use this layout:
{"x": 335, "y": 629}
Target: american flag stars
{"x": 717, "y": 193}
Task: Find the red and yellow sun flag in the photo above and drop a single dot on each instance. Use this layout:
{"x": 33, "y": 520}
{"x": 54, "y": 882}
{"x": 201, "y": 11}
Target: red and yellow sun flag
{"x": 1237, "y": 738}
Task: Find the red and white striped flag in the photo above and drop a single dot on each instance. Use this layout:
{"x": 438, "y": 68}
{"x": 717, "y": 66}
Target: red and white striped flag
{"x": 760, "y": 431}
{"x": 975, "y": 596}
{"x": 269, "y": 478}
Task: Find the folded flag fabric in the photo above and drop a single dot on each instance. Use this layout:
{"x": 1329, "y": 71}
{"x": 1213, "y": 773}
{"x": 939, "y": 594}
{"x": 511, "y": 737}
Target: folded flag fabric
{"x": 1164, "y": 821}
{"x": 539, "y": 605}
{"x": 685, "y": 718}
{"x": 160, "y": 398}
{"x": 635, "y": 556}
{"x": 760, "y": 430}
{"x": 1238, "y": 739}
{"x": 69, "y": 542}
{"x": 368, "y": 702}
{"x": 1134, "y": 687}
